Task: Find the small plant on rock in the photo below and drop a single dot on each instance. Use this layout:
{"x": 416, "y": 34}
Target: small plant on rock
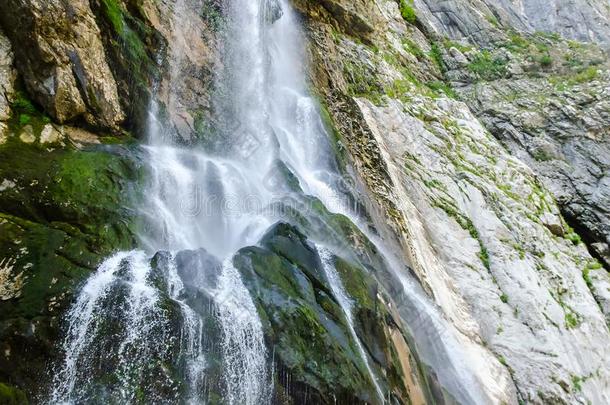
{"x": 407, "y": 11}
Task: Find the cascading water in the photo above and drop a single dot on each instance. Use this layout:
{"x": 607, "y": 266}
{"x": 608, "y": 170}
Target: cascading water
{"x": 346, "y": 305}
{"x": 219, "y": 200}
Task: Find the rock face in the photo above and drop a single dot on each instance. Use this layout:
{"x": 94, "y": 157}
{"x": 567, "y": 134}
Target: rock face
{"x": 7, "y": 78}
{"x": 483, "y": 234}
{"x": 63, "y": 61}
{"x": 315, "y": 351}
{"x": 547, "y": 102}
{"x": 483, "y": 20}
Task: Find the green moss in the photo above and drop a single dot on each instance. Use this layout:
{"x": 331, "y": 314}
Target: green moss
{"x": 504, "y": 298}
{"x": 484, "y": 256}
{"x": 133, "y": 45}
{"x": 592, "y": 265}
{"x": 11, "y": 395}
{"x": 306, "y": 326}
{"x": 577, "y": 383}
{"x": 584, "y": 76}
{"x": 448, "y": 44}
{"x": 362, "y": 82}
{"x": 407, "y": 11}
{"x": 22, "y": 104}
{"x": 114, "y": 13}
{"x": 571, "y": 320}
{"x": 541, "y": 155}
{"x": 24, "y": 119}
{"x": 25, "y": 112}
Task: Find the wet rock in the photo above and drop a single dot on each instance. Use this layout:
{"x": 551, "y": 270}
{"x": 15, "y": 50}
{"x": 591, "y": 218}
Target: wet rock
{"x": 273, "y": 11}
{"x": 466, "y": 213}
{"x": 62, "y": 215}
{"x": 305, "y": 326}
{"x": 198, "y": 269}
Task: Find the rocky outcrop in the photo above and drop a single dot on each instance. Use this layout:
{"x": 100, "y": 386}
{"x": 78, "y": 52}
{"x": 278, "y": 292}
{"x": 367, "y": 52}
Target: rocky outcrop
{"x": 546, "y": 100}
{"x": 96, "y": 63}
{"x": 483, "y": 234}
{"x": 316, "y": 353}
{"x": 484, "y": 21}
{"x": 61, "y": 213}
{"x": 63, "y": 61}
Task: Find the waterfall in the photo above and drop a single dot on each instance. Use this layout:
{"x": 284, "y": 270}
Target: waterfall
{"x": 138, "y": 315}
{"x": 347, "y": 307}
{"x": 121, "y": 298}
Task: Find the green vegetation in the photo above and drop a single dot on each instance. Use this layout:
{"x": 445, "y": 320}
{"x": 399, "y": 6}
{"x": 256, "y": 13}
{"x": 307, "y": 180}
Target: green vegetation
{"x": 492, "y": 20}
{"x": 545, "y": 60}
{"x": 22, "y": 105}
{"x": 573, "y": 236}
{"x": 577, "y": 382}
{"x": 362, "y": 82}
{"x": 24, "y": 112}
{"x": 592, "y": 265}
{"x": 571, "y": 320}
{"x": 541, "y": 155}
{"x": 413, "y": 49}
{"x": 129, "y": 45}
{"x": 584, "y": 76}
{"x": 11, "y": 396}
{"x": 407, "y": 11}
{"x": 448, "y": 44}
{"x": 437, "y": 56}
{"x": 488, "y": 67}
{"x": 442, "y": 87}
{"x": 484, "y": 256}
{"x": 212, "y": 15}
{"x": 504, "y": 298}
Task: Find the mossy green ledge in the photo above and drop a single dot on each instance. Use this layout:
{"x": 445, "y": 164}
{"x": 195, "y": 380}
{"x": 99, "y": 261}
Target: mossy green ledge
{"x": 62, "y": 210}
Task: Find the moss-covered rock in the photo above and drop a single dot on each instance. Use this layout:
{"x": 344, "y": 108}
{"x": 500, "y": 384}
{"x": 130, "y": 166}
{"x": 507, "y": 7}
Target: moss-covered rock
{"x": 61, "y": 212}
{"x": 315, "y": 354}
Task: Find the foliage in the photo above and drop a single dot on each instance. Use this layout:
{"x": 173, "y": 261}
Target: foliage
{"x": 437, "y": 56}
{"x": 25, "y": 112}
{"x": 413, "y": 48}
{"x": 545, "y": 60}
{"x": 443, "y": 87}
{"x": 488, "y": 67}
{"x": 11, "y": 396}
{"x": 407, "y": 11}
{"x": 572, "y": 236}
{"x": 592, "y": 265}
